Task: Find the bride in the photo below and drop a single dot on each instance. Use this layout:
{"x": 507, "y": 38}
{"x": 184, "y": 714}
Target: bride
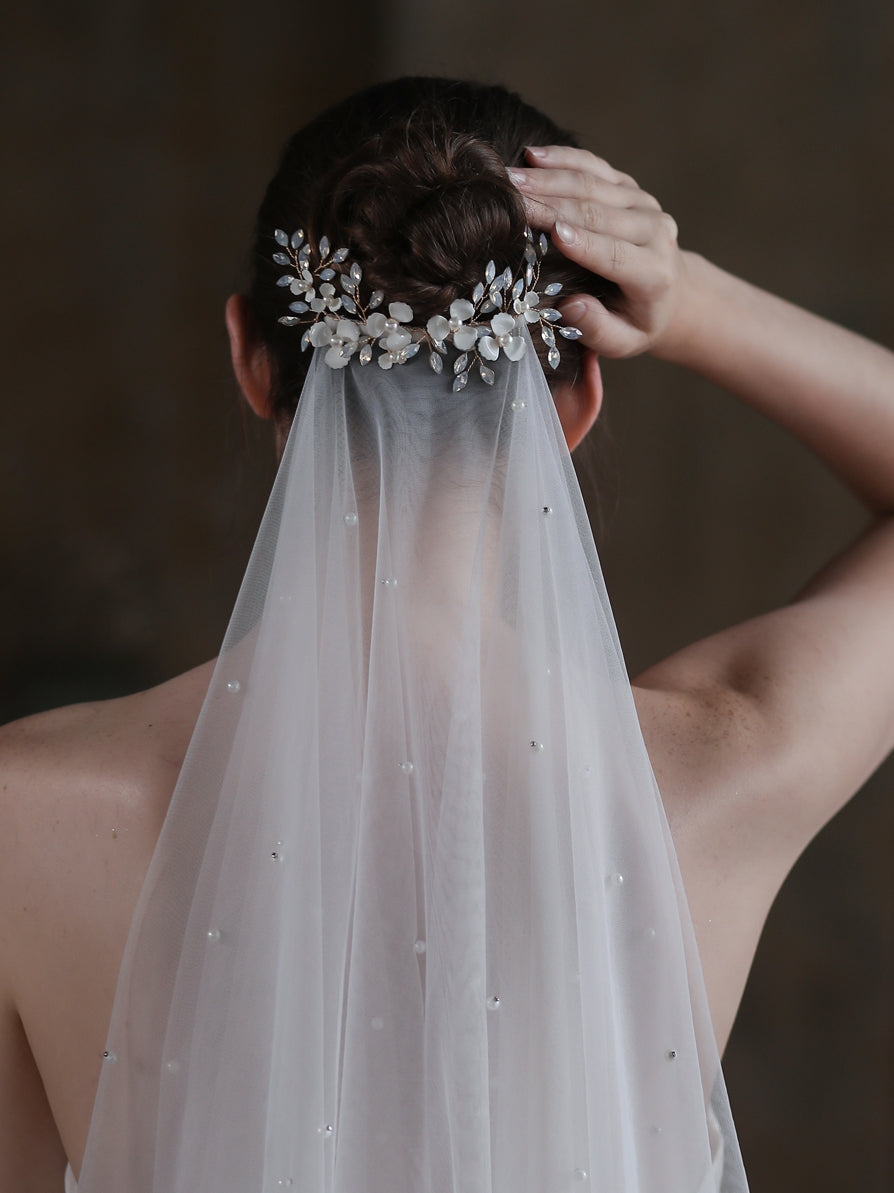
{"x": 455, "y": 628}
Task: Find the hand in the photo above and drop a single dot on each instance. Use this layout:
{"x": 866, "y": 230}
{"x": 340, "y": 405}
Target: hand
{"x": 602, "y": 220}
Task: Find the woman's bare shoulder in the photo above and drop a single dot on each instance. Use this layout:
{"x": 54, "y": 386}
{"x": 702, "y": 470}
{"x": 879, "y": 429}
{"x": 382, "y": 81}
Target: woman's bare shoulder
{"x": 77, "y": 782}
{"x": 101, "y": 749}
{"x": 83, "y": 794}
{"x": 89, "y": 760}
{"x": 84, "y": 789}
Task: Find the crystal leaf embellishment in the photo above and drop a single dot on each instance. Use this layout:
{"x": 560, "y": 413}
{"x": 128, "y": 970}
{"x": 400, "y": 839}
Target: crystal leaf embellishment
{"x": 503, "y": 306}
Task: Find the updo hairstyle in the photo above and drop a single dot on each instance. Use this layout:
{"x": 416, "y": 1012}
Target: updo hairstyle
{"x": 411, "y": 176}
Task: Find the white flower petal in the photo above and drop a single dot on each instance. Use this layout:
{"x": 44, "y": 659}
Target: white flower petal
{"x": 488, "y": 348}
{"x": 465, "y": 338}
{"x": 347, "y": 330}
{"x": 320, "y": 335}
{"x": 532, "y": 316}
{"x": 515, "y": 349}
{"x": 334, "y": 358}
{"x": 461, "y": 308}
{"x": 397, "y": 340}
{"x": 386, "y": 360}
{"x": 400, "y": 311}
{"x": 318, "y": 304}
{"x": 502, "y": 324}
{"x": 375, "y": 325}
{"x": 437, "y": 327}
{"x": 327, "y": 289}
{"x": 531, "y": 299}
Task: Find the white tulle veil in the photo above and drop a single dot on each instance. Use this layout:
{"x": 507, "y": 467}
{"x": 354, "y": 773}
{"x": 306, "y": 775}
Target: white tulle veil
{"x": 414, "y": 923}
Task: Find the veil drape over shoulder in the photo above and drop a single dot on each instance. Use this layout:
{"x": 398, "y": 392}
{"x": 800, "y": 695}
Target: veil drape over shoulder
{"x": 414, "y": 923}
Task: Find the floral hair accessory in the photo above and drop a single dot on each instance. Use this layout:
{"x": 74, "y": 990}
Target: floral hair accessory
{"x": 479, "y": 328}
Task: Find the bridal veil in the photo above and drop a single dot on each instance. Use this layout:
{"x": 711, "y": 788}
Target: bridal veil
{"x": 414, "y": 923}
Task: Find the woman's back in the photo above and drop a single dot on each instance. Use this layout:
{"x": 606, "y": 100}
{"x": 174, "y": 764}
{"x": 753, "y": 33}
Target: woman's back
{"x": 87, "y": 789}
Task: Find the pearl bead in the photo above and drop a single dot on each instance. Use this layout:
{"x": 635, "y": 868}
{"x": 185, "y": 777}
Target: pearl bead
{"x": 350, "y": 519}
{"x": 656, "y": 1130}
{"x": 407, "y": 768}
{"x": 671, "y": 1054}
{"x": 109, "y": 1056}
{"x": 389, "y": 581}
{"x": 537, "y": 746}
{"x": 327, "y": 1131}
{"x": 580, "y": 1174}
{"x": 493, "y": 1003}
{"x": 517, "y": 404}
{"x": 233, "y": 685}
{"x": 419, "y": 946}
{"x": 285, "y": 1182}
{"x": 214, "y": 935}
{"x": 547, "y": 509}
{"x": 171, "y": 1066}
{"x": 616, "y": 879}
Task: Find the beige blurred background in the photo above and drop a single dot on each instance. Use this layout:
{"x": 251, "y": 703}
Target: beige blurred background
{"x": 138, "y": 137}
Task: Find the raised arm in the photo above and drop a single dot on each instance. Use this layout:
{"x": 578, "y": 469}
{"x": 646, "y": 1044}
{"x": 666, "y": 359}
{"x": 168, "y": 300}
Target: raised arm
{"x": 831, "y": 388}
{"x": 759, "y": 733}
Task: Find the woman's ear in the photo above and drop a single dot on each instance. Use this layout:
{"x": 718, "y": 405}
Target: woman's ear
{"x": 578, "y": 404}
{"x": 250, "y": 361}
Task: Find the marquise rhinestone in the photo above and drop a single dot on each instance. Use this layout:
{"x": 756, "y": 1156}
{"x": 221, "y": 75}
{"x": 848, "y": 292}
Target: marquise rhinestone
{"x": 472, "y": 328}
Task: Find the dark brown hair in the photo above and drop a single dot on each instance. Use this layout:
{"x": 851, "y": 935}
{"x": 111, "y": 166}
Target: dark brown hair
{"x": 411, "y": 176}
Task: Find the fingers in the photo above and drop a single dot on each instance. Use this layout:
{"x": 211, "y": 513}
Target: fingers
{"x": 613, "y": 257}
{"x": 603, "y": 331}
{"x": 586, "y": 191}
{"x": 627, "y": 223}
{"x": 568, "y": 157}
{"x": 601, "y": 218}
{"x": 582, "y": 185}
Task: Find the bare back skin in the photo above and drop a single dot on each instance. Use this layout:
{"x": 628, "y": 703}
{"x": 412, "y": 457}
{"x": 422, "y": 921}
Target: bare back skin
{"x": 757, "y": 735}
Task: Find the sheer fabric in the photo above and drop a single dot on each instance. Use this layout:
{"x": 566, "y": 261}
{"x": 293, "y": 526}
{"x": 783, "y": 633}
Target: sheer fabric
{"x": 414, "y": 923}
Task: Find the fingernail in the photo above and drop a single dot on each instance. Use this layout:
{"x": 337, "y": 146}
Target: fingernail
{"x": 519, "y": 177}
{"x": 538, "y": 152}
{"x": 565, "y": 232}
